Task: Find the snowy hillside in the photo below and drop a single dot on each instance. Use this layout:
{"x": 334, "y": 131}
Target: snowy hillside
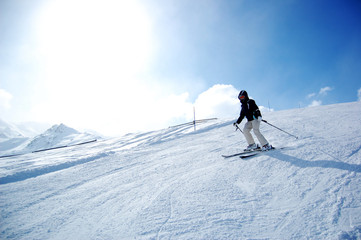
{"x": 174, "y": 184}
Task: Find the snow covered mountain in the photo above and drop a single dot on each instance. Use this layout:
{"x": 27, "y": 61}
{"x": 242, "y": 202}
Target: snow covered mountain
{"x": 20, "y": 130}
{"x": 174, "y": 184}
{"x": 8, "y": 131}
{"x": 56, "y": 136}
{"x": 32, "y": 129}
{"x": 10, "y": 137}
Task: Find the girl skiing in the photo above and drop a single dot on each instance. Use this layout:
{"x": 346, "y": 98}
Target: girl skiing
{"x": 253, "y": 114}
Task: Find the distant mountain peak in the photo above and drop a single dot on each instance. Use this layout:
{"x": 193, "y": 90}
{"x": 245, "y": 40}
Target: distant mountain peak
{"x": 57, "y": 135}
{"x": 61, "y": 129}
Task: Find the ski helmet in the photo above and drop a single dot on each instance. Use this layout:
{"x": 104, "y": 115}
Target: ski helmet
{"x": 242, "y": 95}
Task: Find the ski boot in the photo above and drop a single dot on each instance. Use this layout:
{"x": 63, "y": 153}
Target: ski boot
{"x": 252, "y": 147}
{"x": 267, "y": 147}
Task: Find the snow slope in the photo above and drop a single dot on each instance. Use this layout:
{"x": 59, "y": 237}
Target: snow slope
{"x": 174, "y": 184}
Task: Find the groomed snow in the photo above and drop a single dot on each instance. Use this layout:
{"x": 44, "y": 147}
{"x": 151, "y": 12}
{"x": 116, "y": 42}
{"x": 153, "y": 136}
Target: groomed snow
{"x": 174, "y": 184}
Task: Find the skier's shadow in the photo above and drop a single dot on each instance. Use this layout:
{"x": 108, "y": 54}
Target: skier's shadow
{"x": 323, "y": 164}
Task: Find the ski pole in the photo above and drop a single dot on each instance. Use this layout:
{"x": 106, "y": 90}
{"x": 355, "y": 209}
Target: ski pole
{"x": 237, "y": 128}
{"x": 279, "y": 129}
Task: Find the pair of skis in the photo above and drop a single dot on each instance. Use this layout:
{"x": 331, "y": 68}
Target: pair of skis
{"x": 251, "y": 153}
{"x": 247, "y": 154}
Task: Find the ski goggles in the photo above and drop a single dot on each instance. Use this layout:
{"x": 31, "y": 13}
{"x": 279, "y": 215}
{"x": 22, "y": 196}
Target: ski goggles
{"x": 241, "y": 97}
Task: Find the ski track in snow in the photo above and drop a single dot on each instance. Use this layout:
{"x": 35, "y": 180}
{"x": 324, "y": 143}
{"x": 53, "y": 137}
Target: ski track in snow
{"x": 174, "y": 184}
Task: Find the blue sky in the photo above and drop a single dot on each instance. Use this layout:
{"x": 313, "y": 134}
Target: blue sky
{"x": 120, "y": 66}
{"x": 278, "y": 50}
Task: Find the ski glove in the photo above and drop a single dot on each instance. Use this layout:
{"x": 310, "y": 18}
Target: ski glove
{"x": 259, "y": 119}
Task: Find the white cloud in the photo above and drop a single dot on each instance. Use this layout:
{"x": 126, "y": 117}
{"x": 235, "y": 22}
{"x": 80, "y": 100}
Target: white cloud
{"x": 359, "y": 95}
{"x": 265, "y": 109}
{"x": 311, "y": 95}
{"x": 5, "y": 99}
{"x": 316, "y": 96}
{"x": 115, "y": 109}
{"x": 135, "y": 107}
{"x": 324, "y": 90}
{"x": 315, "y": 103}
{"x": 218, "y": 101}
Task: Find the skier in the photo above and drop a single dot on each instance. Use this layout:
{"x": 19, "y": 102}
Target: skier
{"x": 253, "y": 114}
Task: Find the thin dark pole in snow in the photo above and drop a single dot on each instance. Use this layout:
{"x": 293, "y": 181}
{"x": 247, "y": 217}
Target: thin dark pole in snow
{"x": 194, "y": 117}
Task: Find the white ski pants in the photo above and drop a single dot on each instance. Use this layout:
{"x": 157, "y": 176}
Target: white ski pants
{"x": 247, "y": 132}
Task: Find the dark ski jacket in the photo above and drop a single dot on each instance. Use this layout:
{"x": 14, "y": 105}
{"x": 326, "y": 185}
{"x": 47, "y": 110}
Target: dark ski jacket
{"x": 249, "y": 110}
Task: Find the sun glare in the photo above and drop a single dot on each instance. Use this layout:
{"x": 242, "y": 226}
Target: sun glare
{"x": 94, "y": 39}
{"x": 91, "y": 52}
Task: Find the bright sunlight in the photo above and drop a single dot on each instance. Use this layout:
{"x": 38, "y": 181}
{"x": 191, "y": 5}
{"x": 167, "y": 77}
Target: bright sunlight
{"x": 91, "y": 52}
{"x": 108, "y": 35}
